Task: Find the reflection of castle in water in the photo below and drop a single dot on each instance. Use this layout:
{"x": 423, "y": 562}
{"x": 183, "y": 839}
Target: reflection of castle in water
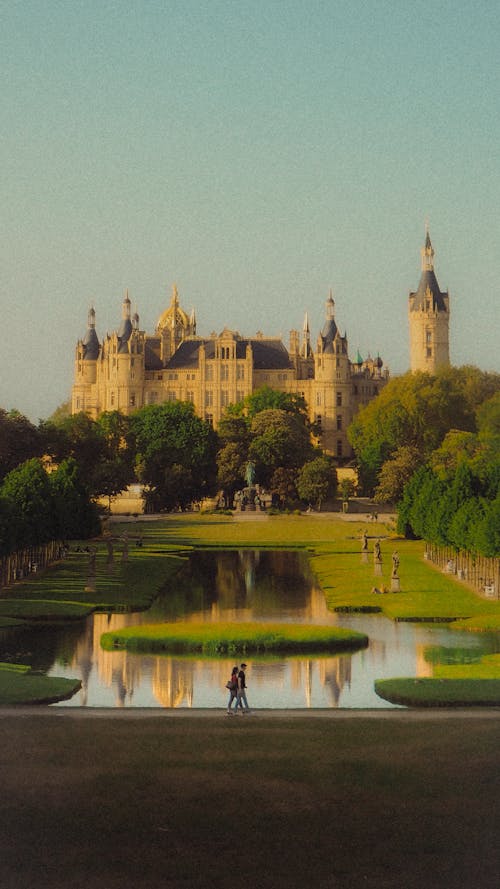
{"x": 172, "y": 680}
{"x": 244, "y": 585}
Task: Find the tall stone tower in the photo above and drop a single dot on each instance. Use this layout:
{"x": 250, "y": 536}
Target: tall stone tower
{"x": 429, "y": 318}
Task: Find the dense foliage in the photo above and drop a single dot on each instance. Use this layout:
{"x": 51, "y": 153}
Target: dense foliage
{"x": 410, "y": 419}
{"x": 454, "y": 499}
{"x": 175, "y": 455}
{"x": 36, "y": 507}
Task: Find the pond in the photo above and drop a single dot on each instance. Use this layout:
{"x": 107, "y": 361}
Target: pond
{"x": 238, "y": 585}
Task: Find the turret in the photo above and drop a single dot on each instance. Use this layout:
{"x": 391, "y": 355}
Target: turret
{"x": 429, "y": 317}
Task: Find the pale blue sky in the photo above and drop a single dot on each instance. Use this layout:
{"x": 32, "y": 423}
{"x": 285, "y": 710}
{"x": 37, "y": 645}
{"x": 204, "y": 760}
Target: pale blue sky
{"x": 255, "y": 153}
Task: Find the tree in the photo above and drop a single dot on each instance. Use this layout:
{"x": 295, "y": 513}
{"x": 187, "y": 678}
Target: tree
{"x": 395, "y": 473}
{"x": 176, "y": 454}
{"x": 417, "y": 410}
{"x": 317, "y": 481}
{"x": 280, "y": 439}
{"x": 347, "y": 488}
{"x": 230, "y": 469}
{"x": 27, "y": 500}
{"x": 75, "y": 514}
{"x": 19, "y": 441}
{"x": 284, "y": 484}
{"x": 80, "y": 437}
{"x": 265, "y": 398}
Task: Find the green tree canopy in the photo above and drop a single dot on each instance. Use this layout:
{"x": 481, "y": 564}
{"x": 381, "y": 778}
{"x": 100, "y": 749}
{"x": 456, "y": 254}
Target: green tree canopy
{"x": 279, "y": 439}
{"x": 417, "y": 410}
{"x": 317, "y": 481}
{"x": 176, "y": 453}
{"x": 19, "y": 441}
{"x": 75, "y": 514}
{"x": 26, "y": 493}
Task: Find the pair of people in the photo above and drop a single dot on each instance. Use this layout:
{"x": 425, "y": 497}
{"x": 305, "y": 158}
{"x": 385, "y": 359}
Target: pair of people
{"x": 237, "y": 691}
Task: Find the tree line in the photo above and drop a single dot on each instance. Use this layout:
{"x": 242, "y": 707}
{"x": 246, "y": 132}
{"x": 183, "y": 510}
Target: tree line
{"x": 51, "y": 475}
{"x": 430, "y": 444}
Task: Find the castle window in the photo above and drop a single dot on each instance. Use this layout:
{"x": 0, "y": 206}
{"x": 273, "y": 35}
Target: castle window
{"x": 209, "y": 372}
{"x": 240, "y": 371}
{"x": 428, "y": 337}
{"x": 153, "y": 397}
{"x": 318, "y": 399}
{"x": 132, "y": 360}
{"x": 355, "y": 390}
{"x": 339, "y": 448}
{"x": 224, "y": 372}
{"x": 339, "y": 399}
{"x": 190, "y": 397}
{"x": 78, "y": 403}
{"x": 132, "y": 399}
{"x": 240, "y": 395}
{"x": 210, "y": 419}
{"x": 172, "y": 396}
{"x": 339, "y": 423}
{"x": 112, "y": 399}
{"x": 428, "y": 352}
{"x": 209, "y": 399}
{"x": 224, "y": 398}
{"x": 159, "y": 377}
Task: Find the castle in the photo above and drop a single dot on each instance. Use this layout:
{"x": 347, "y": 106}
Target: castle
{"x": 131, "y": 368}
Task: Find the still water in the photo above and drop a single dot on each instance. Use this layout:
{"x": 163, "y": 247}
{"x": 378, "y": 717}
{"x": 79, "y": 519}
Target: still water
{"x": 245, "y": 585}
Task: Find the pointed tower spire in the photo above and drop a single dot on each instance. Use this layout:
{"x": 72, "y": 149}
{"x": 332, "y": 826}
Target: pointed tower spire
{"x": 306, "y": 338}
{"x": 427, "y": 251}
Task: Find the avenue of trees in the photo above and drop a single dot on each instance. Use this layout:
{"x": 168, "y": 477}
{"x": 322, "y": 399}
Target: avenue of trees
{"x": 454, "y": 498}
{"x": 431, "y": 445}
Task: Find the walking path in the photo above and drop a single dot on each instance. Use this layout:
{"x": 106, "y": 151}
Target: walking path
{"x": 402, "y": 714}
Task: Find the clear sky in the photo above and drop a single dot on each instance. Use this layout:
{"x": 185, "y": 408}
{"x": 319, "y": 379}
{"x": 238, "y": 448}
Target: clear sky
{"x": 255, "y": 153}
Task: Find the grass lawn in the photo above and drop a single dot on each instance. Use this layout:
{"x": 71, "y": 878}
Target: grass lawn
{"x": 19, "y": 685}
{"x": 257, "y": 803}
{"x": 242, "y": 638}
{"x": 66, "y": 591}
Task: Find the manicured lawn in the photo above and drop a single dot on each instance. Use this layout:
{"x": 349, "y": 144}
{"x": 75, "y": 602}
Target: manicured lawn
{"x": 440, "y": 692}
{"x": 19, "y": 685}
{"x": 257, "y": 803}
{"x": 228, "y": 638}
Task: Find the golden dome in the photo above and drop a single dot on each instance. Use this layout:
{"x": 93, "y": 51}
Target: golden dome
{"x": 174, "y": 315}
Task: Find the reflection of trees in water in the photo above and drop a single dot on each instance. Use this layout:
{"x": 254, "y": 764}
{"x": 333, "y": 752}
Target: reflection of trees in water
{"x": 41, "y": 646}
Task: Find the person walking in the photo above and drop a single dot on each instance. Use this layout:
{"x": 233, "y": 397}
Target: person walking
{"x": 241, "y": 697}
{"x": 233, "y": 690}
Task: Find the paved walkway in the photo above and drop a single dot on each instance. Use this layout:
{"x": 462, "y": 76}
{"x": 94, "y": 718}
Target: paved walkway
{"x": 424, "y": 714}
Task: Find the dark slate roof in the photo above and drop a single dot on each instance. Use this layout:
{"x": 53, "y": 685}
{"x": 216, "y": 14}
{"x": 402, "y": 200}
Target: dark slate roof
{"x": 90, "y": 345}
{"x": 152, "y": 358}
{"x": 124, "y": 334}
{"x": 328, "y": 334}
{"x": 267, "y": 354}
{"x": 428, "y": 280}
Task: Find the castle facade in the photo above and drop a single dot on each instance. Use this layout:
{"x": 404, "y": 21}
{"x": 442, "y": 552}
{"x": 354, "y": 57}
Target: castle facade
{"x": 131, "y": 368}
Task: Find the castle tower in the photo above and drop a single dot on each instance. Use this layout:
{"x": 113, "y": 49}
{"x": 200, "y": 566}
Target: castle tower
{"x": 429, "y": 318}
{"x": 86, "y": 359}
{"x": 173, "y": 326}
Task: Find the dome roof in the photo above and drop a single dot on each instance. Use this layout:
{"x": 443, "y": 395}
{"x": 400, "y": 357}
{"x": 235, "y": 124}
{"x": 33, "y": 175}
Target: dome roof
{"x": 174, "y": 314}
